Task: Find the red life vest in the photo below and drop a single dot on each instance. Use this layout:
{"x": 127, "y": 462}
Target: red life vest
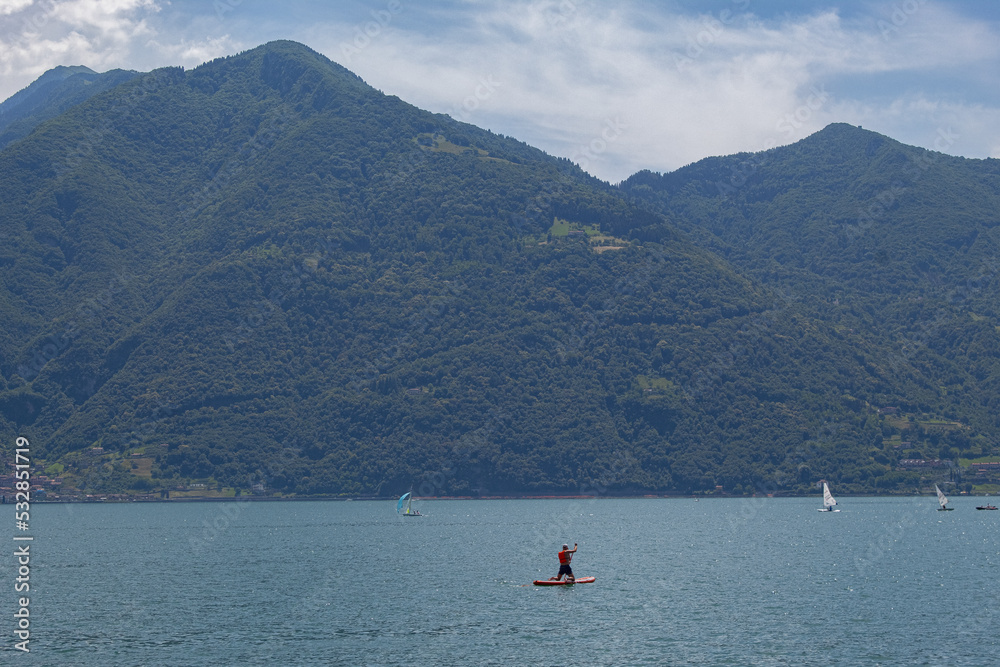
{"x": 565, "y": 557}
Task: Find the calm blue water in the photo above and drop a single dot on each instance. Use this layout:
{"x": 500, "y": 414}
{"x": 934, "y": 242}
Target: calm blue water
{"x": 715, "y": 582}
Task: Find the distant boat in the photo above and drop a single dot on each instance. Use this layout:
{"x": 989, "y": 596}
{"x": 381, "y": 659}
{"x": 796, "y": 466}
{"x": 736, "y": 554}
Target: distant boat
{"x": 404, "y": 505}
{"x": 942, "y": 500}
{"x": 828, "y": 500}
{"x": 986, "y": 507}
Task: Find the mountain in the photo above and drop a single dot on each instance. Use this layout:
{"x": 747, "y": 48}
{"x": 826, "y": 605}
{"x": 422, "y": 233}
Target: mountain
{"x": 264, "y": 274}
{"x": 897, "y": 245}
{"x": 50, "y": 94}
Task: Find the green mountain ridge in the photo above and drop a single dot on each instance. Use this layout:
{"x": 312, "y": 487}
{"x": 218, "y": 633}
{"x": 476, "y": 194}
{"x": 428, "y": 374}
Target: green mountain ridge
{"x": 50, "y": 94}
{"x": 895, "y": 242}
{"x": 264, "y": 274}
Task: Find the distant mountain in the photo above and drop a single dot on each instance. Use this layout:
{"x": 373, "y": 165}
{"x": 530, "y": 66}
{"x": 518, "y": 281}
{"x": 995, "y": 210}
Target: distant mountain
{"x": 896, "y": 244}
{"x": 834, "y": 206}
{"x": 264, "y": 274}
{"x": 50, "y": 94}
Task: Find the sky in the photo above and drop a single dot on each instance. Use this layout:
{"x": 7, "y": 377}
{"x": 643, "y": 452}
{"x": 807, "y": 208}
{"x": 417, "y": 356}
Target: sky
{"x": 614, "y": 86}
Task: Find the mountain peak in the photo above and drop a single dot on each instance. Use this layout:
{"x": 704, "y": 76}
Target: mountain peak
{"x": 53, "y": 92}
{"x": 300, "y": 75}
{"x": 839, "y": 137}
{"x": 48, "y": 78}
{"x": 63, "y": 71}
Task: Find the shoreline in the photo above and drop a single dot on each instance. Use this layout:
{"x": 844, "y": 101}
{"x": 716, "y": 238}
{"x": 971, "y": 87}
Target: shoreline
{"x": 240, "y": 499}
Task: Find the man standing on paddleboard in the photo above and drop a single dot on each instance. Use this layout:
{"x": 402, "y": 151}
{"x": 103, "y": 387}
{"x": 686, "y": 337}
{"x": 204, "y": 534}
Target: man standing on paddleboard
{"x": 565, "y": 556}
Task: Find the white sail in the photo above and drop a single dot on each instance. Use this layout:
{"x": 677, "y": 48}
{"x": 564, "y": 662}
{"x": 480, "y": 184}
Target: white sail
{"x": 828, "y": 499}
{"x": 942, "y": 499}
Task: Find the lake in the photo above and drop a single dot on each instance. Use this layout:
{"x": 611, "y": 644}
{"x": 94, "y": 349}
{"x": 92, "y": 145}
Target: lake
{"x": 886, "y": 581}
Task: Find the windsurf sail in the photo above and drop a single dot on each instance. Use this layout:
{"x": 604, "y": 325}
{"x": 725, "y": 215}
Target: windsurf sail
{"x": 942, "y": 499}
{"x": 404, "y": 499}
{"x": 828, "y": 499}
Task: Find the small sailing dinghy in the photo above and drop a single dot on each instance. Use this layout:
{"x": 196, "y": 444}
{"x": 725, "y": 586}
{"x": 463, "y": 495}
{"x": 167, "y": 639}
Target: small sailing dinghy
{"x": 828, "y": 500}
{"x": 403, "y": 506}
{"x": 942, "y": 500}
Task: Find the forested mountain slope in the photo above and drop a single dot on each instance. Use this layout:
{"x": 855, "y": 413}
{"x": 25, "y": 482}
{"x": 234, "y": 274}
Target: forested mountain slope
{"x": 263, "y": 272}
{"x": 50, "y": 94}
{"x": 895, "y": 244}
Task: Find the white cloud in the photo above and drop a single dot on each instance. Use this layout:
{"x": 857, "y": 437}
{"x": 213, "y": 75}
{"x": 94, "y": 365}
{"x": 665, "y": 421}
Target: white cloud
{"x": 194, "y": 53}
{"x": 91, "y": 32}
{"x": 8, "y": 7}
{"x": 686, "y": 86}
{"x": 115, "y": 20}
{"x": 948, "y": 127}
{"x": 101, "y": 34}
{"x": 677, "y": 87}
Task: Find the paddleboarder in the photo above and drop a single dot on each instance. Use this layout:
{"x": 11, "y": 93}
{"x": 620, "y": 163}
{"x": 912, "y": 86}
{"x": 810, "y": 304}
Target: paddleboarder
{"x": 565, "y": 556}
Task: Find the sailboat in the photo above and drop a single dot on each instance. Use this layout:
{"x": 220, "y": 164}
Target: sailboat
{"x": 942, "y": 500}
{"x": 404, "y": 505}
{"x": 828, "y": 500}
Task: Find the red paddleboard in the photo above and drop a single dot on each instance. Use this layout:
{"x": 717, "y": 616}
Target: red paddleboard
{"x": 564, "y": 582}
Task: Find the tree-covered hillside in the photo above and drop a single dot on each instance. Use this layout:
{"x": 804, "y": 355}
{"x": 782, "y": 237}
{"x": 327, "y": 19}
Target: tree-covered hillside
{"x": 50, "y": 94}
{"x": 262, "y": 273}
{"x": 896, "y": 245}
